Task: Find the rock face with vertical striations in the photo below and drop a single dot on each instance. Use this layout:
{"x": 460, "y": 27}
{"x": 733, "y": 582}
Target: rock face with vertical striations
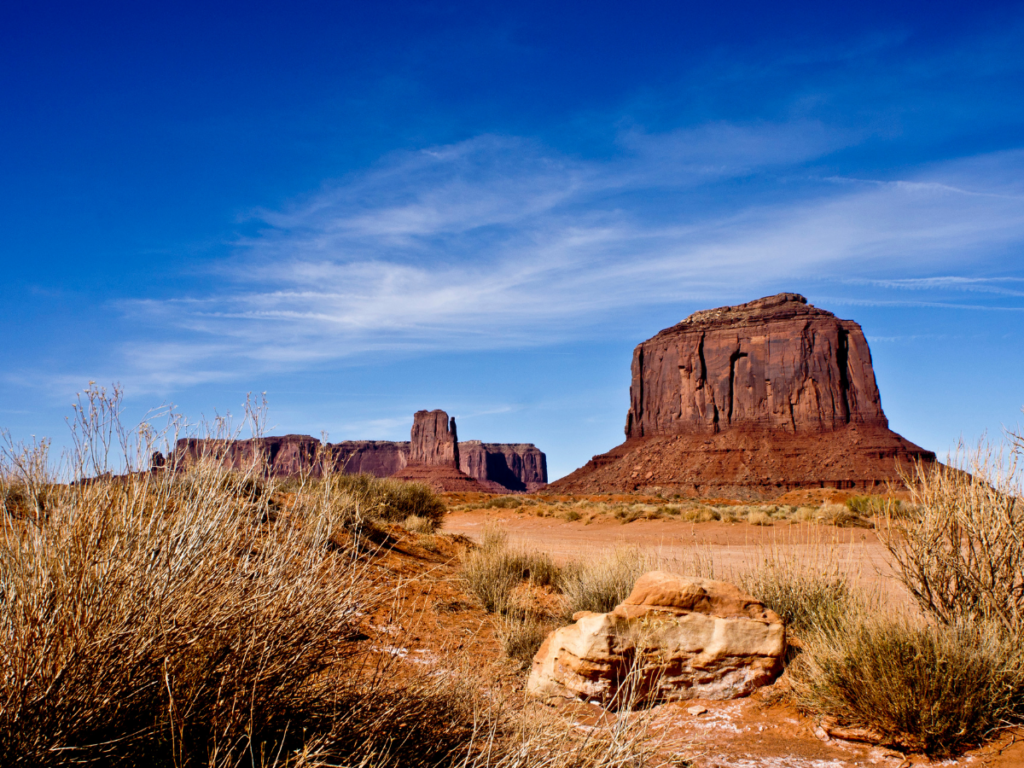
{"x": 434, "y": 454}
{"x": 776, "y": 363}
{"x": 752, "y": 400}
{"x": 508, "y": 466}
{"x": 380, "y": 458}
{"x": 434, "y": 439}
{"x": 283, "y": 456}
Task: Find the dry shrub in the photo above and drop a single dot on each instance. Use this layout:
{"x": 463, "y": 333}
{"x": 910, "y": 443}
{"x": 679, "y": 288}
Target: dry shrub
{"x": 167, "y": 619}
{"x": 841, "y": 516}
{"x": 701, "y": 515}
{"x": 947, "y": 681}
{"x": 493, "y": 569}
{"x": 803, "y": 576}
{"x": 417, "y": 524}
{"x": 521, "y": 633}
{"x": 873, "y": 506}
{"x": 503, "y": 502}
{"x": 919, "y": 686}
{"x": 961, "y": 554}
{"x": 806, "y": 597}
{"x": 759, "y": 517}
{"x": 179, "y": 620}
{"x": 387, "y": 500}
{"x": 599, "y": 584}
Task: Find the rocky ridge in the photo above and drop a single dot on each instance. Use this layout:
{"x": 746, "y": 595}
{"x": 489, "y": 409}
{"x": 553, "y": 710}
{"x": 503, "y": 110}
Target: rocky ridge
{"x": 433, "y": 450}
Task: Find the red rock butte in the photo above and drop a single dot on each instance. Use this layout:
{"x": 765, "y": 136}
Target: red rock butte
{"x": 751, "y": 401}
{"x": 433, "y": 455}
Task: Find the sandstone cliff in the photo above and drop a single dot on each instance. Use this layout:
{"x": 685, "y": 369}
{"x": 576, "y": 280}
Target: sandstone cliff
{"x": 751, "y": 401}
{"x": 495, "y": 467}
{"x": 513, "y": 466}
{"x": 283, "y": 456}
{"x": 434, "y": 454}
{"x": 380, "y": 458}
{"x": 776, "y": 363}
{"x": 434, "y": 439}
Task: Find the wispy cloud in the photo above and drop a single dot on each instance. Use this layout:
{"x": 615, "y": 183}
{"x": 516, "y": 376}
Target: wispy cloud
{"x": 496, "y": 242}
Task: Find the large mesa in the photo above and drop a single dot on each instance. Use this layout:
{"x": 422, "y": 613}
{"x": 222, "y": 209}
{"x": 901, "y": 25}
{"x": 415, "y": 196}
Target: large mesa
{"x": 750, "y": 400}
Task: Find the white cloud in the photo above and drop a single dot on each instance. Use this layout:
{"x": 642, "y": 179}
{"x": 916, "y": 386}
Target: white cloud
{"x": 494, "y": 243}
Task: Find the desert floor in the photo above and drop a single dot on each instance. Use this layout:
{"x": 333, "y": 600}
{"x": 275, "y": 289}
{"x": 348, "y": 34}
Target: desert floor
{"x": 757, "y": 731}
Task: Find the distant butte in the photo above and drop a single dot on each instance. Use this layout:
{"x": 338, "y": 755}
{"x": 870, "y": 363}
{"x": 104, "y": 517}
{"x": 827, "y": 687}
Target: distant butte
{"x": 434, "y": 455}
{"x": 751, "y": 401}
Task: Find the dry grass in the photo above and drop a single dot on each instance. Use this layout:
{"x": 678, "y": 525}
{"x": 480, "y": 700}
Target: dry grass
{"x": 417, "y": 524}
{"x": 167, "y": 619}
{"x": 502, "y": 502}
{"x": 600, "y": 583}
{"x": 493, "y": 570}
{"x": 521, "y": 633}
{"x": 381, "y": 499}
{"x": 806, "y": 598}
{"x": 188, "y": 620}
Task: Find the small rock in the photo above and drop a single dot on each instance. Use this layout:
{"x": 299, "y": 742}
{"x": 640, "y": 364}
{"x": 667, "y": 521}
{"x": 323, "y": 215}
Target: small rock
{"x": 696, "y": 710}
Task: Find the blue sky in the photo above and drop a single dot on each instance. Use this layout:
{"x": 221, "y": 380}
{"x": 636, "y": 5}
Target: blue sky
{"x": 368, "y": 209}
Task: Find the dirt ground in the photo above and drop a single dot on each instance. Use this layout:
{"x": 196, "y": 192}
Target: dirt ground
{"x": 757, "y": 732}
{"x": 731, "y": 547}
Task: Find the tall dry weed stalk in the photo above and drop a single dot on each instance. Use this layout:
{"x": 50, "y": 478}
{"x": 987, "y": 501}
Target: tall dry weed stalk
{"x": 961, "y": 553}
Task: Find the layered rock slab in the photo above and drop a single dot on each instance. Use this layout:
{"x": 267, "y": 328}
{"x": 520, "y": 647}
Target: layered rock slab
{"x": 674, "y": 638}
{"x": 283, "y": 456}
{"x": 752, "y": 401}
{"x": 380, "y": 458}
